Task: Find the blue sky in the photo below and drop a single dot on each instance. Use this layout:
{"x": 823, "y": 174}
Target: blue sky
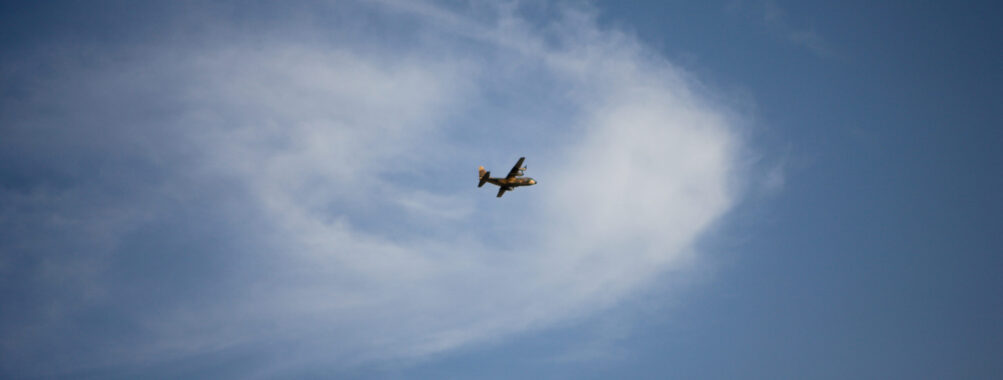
{"x": 734, "y": 189}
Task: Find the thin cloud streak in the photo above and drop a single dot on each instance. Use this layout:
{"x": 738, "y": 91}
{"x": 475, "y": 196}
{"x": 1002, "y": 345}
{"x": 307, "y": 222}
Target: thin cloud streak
{"x": 775, "y": 18}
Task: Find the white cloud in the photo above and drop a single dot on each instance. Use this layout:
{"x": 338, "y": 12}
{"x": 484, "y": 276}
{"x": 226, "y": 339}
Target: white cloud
{"x": 367, "y": 245}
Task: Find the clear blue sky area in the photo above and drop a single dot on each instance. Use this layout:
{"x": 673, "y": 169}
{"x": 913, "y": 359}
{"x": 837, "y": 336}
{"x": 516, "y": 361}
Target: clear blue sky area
{"x": 183, "y": 185}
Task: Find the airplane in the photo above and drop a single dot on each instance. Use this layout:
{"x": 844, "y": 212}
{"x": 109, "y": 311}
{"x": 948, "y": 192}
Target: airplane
{"x": 510, "y": 182}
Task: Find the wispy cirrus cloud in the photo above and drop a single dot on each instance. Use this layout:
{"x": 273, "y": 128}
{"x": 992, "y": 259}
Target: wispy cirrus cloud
{"x": 773, "y": 16}
{"x": 303, "y": 192}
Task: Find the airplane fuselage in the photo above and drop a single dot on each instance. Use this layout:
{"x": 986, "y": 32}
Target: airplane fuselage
{"x": 512, "y": 182}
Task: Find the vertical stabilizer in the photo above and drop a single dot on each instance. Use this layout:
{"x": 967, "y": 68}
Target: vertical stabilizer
{"x": 482, "y": 175}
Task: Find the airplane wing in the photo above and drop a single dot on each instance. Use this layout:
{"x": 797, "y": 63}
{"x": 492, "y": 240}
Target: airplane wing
{"x": 502, "y": 190}
{"x": 515, "y": 169}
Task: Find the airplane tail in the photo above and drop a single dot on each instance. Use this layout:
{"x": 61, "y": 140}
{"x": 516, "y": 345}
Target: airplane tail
{"x": 483, "y": 176}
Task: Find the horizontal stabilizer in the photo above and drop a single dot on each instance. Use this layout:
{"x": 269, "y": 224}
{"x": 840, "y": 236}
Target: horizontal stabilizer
{"x": 484, "y": 178}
